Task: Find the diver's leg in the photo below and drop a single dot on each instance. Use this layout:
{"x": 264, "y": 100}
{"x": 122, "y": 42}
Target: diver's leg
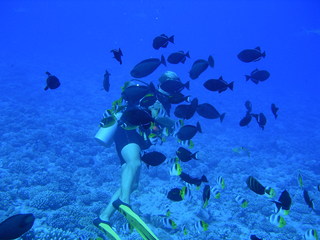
{"x": 109, "y": 210}
{"x": 131, "y": 155}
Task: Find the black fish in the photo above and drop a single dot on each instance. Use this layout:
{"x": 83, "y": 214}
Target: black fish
{"x": 261, "y": 119}
{"x": 148, "y": 100}
{"x": 245, "y": 120}
{"x": 117, "y": 54}
{"x": 106, "y": 82}
{"x": 248, "y": 106}
{"x": 185, "y": 155}
{"x": 162, "y": 41}
{"x": 173, "y": 86}
{"x": 206, "y": 195}
{"x": 194, "y": 181}
{"x": 134, "y": 93}
{"x": 257, "y": 76}
{"x": 255, "y": 185}
{"x": 208, "y": 111}
{"x": 251, "y": 55}
{"x": 178, "y": 57}
{"x": 217, "y": 85}
{"x": 52, "y": 82}
{"x": 178, "y": 98}
{"x": 153, "y": 158}
{"x": 146, "y": 67}
{"x": 136, "y": 117}
{"x": 185, "y": 111}
{"x": 274, "y": 110}
{"x": 176, "y": 194}
{"x": 254, "y": 237}
{"x": 15, "y": 226}
{"x": 187, "y": 132}
{"x": 200, "y": 66}
{"x": 284, "y": 201}
{"x": 307, "y": 199}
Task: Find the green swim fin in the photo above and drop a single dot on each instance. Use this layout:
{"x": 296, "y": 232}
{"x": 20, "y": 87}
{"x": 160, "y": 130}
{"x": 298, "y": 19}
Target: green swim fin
{"x": 106, "y": 228}
{"x": 134, "y": 220}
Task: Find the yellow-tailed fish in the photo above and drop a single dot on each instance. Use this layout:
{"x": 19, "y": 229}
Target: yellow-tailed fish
{"x": 215, "y": 192}
{"x": 241, "y": 201}
{"x": 176, "y": 169}
{"x": 277, "y": 220}
{"x": 221, "y": 182}
{"x": 300, "y": 180}
{"x": 311, "y": 234}
{"x": 201, "y": 226}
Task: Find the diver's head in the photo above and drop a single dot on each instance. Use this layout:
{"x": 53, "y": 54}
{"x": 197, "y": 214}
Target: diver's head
{"x": 168, "y": 75}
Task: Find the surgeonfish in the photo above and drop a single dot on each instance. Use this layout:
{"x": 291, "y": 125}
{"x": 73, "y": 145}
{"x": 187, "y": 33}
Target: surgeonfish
{"x": 277, "y": 220}
{"x": 241, "y": 201}
{"x": 187, "y": 132}
{"x": 208, "y": 111}
{"x": 274, "y": 110}
{"x": 245, "y": 120}
{"x": 178, "y": 57}
{"x": 117, "y": 54}
{"x": 162, "y": 41}
{"x": 185, "y": 155}
{"x": 200, "y": 66}
{"x": 153, "y": 158}
{"x": 177, "y": 194}
{"x": 218, "y": 85}
{"x": 254, "y": 237}
{"x": 261, "y": 119}
{"x": 106, "y": 81}
{"x": 173, "y": 86}
{"x": 311, "y": 234}
{"x": 257, "y": 76}
{"x": 251, "y": 55}
{"x": 307, "y": 199}
{"x": 284, "y": 203}
{"x": 52, "y": 82}
{"x": 186, "y": 111}
{"x": 147, "y": 66}
{"x": 191, "y": 180}
{"x": 15, "y": 226}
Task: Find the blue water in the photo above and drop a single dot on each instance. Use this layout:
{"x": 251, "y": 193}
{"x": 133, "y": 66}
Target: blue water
{"x": 51, "y": 166}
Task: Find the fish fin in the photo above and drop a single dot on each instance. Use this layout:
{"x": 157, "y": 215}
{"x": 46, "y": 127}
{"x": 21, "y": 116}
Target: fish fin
{"x": 211, "y": 61}
{"x": 230, "y": 85}
{"x": 247, "y": 77}
{"x": 163, "y": 60}
{"x": 222, "y": 116}
{"x": 183, "y": 60}
{"x": 258, "y": 48}
{"x": 46, "y": 88}
{"x": 165, "y": 45}
{"x": 49, "y": 74}
{"x": 263, "y": 54}
{"x": 171, "y": 39}
{"x": 120, "y": 52}
{"x": 187, "y": 55}
{"x": 187, "y": 85}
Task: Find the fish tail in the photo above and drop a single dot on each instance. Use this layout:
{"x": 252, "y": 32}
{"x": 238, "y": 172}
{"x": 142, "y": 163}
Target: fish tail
{"x": 199, "y": 127}
{"x": 230, "y": 85}
{"x": 171, "y": 39}
{"x": 263, "y": 54}
{"x": 46, "y": 88}
{"x": 222, "y": 116}
{"x": 163, "y": 60}
{"x": 247, "y": 77}
{"x": 211, "y": 61}
{"x": 120, "y": 52}
{"x": 187, "y": 54}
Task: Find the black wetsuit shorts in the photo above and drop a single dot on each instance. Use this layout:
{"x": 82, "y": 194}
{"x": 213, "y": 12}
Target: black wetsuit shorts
{"x": 123, "y": 137}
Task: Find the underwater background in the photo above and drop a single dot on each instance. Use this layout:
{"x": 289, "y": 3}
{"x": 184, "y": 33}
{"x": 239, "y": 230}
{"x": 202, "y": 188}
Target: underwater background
{"x": 51, "y": 166}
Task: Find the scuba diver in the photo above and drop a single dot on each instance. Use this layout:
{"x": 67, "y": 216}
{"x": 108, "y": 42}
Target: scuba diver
{"x": 136, "y": 121}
